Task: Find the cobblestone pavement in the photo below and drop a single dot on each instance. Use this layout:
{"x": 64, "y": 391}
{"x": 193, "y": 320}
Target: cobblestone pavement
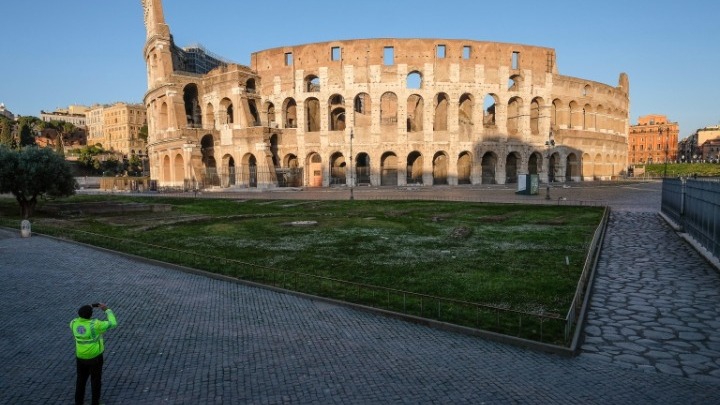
{"x": 188, "y": 339}
{"x": 656, "y": 302}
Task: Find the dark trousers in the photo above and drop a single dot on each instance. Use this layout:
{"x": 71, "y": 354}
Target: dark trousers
{"x": 89, "y": 368}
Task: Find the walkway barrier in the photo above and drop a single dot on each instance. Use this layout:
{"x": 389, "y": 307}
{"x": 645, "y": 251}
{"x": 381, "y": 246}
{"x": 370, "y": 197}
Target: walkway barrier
{"x": 694, "y": 205}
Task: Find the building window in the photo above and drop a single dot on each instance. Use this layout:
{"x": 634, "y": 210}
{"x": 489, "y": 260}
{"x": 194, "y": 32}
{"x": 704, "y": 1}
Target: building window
{"x": 515, "y": 63}
{"x": 335, "y": 53}
{"x": 288, "y": 58}
{"x": 389, "y": 56}
{"x": 440, "y": 51}
{"x": 466, "y": 52}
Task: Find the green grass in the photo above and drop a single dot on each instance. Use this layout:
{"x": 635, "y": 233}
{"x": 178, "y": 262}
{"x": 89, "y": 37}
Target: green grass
{"x": 682, "y": 169}
{"x": 389, "y": 254}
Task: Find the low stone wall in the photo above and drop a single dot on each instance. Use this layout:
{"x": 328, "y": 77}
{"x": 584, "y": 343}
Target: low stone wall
{"x": 139, "y": 184}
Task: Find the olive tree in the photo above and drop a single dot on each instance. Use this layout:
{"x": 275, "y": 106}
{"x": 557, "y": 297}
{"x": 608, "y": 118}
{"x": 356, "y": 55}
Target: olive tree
{"x": 31, "y": 173}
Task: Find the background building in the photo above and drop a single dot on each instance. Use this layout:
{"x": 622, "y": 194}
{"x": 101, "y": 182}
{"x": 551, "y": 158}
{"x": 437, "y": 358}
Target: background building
{"x": 117, "y": 128}
{"x": 653, "y": 140}
{"x": 6, "y": 113}
{"x": 74, "y": 114}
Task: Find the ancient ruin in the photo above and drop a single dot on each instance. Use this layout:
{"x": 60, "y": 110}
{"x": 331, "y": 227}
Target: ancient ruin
{"x": 381, "y": 112}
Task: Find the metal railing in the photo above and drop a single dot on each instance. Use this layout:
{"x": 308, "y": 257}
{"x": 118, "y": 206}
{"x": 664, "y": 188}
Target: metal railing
{"x": 694, "y": 205}
{"x": 542, "y": 327}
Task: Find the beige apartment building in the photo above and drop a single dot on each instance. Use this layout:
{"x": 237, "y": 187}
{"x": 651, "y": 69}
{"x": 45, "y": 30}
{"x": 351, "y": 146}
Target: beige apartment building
{"x": 653, "y": 140}
{"x": 117, "y": 128}
{"x": 74, "y": 114}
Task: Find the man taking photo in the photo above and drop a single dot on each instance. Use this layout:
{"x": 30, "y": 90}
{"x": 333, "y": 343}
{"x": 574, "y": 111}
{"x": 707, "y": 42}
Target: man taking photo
{"x": 89, "y": 348}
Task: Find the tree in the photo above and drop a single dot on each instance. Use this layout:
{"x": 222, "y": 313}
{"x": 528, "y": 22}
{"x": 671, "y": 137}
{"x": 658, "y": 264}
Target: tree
{"x": 31, "y": 173}
{"x": 6, "y": 133}
{"x": 26, "y": 136}
{"x": 143, "y": 134}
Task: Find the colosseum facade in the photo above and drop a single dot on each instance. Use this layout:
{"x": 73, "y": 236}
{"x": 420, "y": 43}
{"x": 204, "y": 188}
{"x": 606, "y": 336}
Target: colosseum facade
{"x": 381, "y": 112}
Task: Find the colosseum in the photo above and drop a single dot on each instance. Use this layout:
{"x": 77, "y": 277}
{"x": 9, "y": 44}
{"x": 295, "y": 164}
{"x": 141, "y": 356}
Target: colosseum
{"x": 380, "y": 112}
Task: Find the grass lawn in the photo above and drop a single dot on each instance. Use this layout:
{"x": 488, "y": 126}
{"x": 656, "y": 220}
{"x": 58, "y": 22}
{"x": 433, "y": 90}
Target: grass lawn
{"x": 505, "y": 256}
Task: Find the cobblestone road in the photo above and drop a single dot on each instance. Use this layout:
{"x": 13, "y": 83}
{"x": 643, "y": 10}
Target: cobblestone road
{"x": 189, "y": 339}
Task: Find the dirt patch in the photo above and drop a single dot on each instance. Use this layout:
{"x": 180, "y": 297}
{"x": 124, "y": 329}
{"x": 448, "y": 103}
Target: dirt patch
{"x": 460, "y": 232}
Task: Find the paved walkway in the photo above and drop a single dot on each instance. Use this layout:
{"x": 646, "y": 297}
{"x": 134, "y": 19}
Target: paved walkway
{"x": 652, "y": 336}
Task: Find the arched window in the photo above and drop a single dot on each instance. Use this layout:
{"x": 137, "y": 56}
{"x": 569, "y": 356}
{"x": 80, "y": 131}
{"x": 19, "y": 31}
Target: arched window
{"x": 290, "y": 113}
{"x": 415, "y": 113}
{"x": 414, "y": 80}
{"x": 388, "y": 109}
{"x": 441, "y": 112}
{"x": 312, "y": 115}
{"x": 312, "y": 84}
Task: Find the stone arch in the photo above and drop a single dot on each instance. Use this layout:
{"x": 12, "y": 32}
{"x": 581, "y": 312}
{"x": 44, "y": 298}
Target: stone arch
{"x": 587, "y": 165}
{"x": 389, "y": 169}
{"x": 489, "y": 103}
{"x": 414, "y": 80}
{"x": 166, "y": 170}
{"x": 414, "y": 171}
{"x": 228, "y": 171}
{"x": 388, "y": 109}
{"x": 228, "y": 112}
{"x": 465, "y": 115}
{"x": 515, "y": 82}
{"x": 338, "y": 169}
{"x": 312, "y": 114}
{"x": 415, "y": 113}
{"x": 535, "y": 107}
{"x": 535, "y": 163}
{"x": 464, "y": 168}
{"x": 210, "y": 115}
{"x": 193, "y": 112}
{"x": 557, "y": 119}
{"x": 207, "y": 148}
{"x": 163, "y": 116}
{"x": 290, "y": 113}
{"x": 514, "y": 116}
{"x": 270, "y": 113}
{"x": 179, "y": 170}
{"x": 362, "y": 168}
{"x": 588, "y": 117}
{"x": 249, "y": 170}
{"x": 292, "y": 175}
{"x": 440, "y": 168}
{"x": 254, "y": 113}
{"x": 598, "y": 169}
{"x": 314, "y": 165}
{"x": 290, "y": 161}
{"x": 599, "y": 118}
{"x": 336, "y": 112}
{"x": 575, "y": 115}
{"x": 512, "y": 161}
{"x": 312, "y": 83}
{"x": 362, "y": 107}
{"x": 489, "y": 167}
{"x": 440, "y": 120}
{"x": 572, "y": 169}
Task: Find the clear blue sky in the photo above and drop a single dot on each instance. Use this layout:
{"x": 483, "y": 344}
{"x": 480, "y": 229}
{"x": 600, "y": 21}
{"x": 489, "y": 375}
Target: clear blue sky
{"x": 57, "y": 53}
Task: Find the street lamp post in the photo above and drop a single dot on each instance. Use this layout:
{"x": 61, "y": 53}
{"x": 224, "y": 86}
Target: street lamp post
{"x": 667, "y": 146}
{"x": 549, "y": 144}
{"x": 352, "y": 176}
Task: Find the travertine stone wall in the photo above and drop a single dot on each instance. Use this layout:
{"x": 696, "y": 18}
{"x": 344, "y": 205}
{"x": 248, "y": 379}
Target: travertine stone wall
{"x": 408, "y": 111}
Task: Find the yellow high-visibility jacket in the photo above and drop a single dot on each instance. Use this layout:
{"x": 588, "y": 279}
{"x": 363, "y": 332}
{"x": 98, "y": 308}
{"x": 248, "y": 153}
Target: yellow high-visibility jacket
{"x": 88, "y": 335}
